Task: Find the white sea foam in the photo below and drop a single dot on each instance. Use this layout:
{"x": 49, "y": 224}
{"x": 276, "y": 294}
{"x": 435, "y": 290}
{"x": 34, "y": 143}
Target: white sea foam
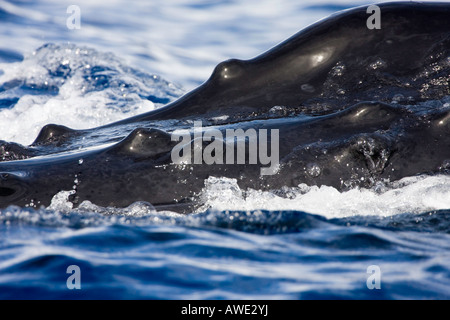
{"x": 97, "y": 89}
{"x": 413, "y": 194}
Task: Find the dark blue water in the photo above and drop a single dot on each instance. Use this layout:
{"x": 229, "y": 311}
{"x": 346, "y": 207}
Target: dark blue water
{"x": 224, "y": 255}
{"x": 389, "y": 244}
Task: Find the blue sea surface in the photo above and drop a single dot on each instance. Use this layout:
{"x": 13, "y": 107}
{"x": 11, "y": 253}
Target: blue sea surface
{"x": 224, "y": 255}
{"x": 128, "y": 58}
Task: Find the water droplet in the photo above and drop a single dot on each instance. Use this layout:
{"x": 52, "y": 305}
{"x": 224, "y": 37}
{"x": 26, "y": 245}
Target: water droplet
{"x": 445, "y": 164}
{"x": 313, "y": 169}
{"x": 377, "y": 64}
{"x": 338, "y": 70}
{"x": 278, "y": 110}
{"x": 398, "y": 98}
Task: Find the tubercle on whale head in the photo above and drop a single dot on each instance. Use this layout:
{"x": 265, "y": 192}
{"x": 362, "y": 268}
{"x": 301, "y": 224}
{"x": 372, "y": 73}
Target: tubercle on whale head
{"x": 228, "y": 70}
{"x": 142, "y": 143}
{"x": 53, "y": 134}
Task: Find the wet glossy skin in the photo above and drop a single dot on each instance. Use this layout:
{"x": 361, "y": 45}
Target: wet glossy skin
{"x": 310, "y": 87}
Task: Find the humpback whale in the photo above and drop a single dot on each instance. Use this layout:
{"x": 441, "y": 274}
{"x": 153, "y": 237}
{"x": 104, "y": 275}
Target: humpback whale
{"x": 349, "y": 105}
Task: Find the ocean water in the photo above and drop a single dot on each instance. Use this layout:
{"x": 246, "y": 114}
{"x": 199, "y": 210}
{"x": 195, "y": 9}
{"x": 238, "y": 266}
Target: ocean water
{"x": 391, "y": 241}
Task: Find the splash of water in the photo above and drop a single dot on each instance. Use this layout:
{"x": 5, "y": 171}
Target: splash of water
{"x": 413, "y": 194}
